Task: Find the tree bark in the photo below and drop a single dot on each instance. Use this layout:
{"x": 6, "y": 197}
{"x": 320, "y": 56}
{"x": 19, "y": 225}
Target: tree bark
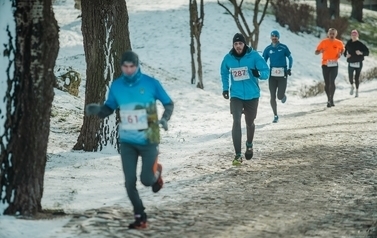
{"x": 357, "y": 10}
{"x": 28, "y": 106}
{"x": 196, "y": 25}
{"x": 106, "y": 38}
{"x": 322, "y": 13}
{"x": 334, "y": 8}
{"x": 193, "y": 13}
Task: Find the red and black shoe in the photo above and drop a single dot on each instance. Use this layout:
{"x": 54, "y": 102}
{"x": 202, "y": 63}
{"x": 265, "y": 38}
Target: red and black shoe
{"x": 159, "y": 182}
{"x": 140, "y": 222}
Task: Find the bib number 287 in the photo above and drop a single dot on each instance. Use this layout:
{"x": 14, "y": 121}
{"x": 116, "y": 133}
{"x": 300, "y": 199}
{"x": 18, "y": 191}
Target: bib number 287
{"x": 240, "y": 73}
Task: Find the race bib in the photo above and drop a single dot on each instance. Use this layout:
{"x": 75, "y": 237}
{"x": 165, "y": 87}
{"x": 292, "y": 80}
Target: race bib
{"x": 355, "y": 65}
{"x": 240, "y": 73}
{"x": 134, "y": 119}
{"x": 277, "y": 72}
{"x": 332, "y": 63}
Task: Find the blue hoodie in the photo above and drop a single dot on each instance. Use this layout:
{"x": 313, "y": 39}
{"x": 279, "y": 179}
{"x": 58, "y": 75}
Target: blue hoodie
{"x": 236, "y": 74}
{"x": 136, "y": 97}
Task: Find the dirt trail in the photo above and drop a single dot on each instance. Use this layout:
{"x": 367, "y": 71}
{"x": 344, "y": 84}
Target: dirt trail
{"x": 318, "y": 180}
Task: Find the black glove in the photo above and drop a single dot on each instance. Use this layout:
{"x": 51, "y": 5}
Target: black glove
{"x": 226, "y": 94}
{"x": 289, "y": 72}
{"x": 164, "y": 123}
{"x": 92, "y": 109}
{"x": 255, "y": 73}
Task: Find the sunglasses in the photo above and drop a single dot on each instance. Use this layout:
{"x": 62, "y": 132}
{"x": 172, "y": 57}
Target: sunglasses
{"x": 274, "y": 36}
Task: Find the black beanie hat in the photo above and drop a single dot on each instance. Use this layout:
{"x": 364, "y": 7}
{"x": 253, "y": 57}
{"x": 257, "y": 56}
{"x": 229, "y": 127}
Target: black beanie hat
{"x": 239, "y": 37}
{"x": 131, "y": 57}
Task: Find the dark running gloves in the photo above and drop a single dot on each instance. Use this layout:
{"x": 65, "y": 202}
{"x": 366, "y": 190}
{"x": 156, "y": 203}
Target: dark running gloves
{"x": 98, "y": 110}
{"x": 92, "y": 109}
{"x": 289, "y": 73}
{"x": 255, "y": 73}
{"x": 164, "y": 123}
{"x": 166, "y": 115}
{"x": 226, "y": 94}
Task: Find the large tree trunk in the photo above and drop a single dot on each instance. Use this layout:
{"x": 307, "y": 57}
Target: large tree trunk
{"x": 106, "y": 37}
{"x": 357, "y": 10}
{"x": 322, "y": 13}
{"x": 334, "y": 8}
{"x": 196, "y": 25}
{"x": 27, "y": 104}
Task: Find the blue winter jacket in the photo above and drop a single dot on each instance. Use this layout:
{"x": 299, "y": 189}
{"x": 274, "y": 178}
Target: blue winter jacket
{"x": 277, "y": 55}
{"x": 138, "y": 111}
{"x": 237, "y": 76}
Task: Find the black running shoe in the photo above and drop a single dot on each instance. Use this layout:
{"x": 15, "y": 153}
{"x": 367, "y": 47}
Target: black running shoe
{"x": 328, "y": 104}
{"x": 159, "y": 182}
{"x": 140, "y": 222}
{"x": 249, "y": 151}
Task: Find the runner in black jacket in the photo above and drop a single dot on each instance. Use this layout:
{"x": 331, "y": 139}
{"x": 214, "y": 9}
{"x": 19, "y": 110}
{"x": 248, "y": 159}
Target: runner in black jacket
{"x": 355, "y": 52}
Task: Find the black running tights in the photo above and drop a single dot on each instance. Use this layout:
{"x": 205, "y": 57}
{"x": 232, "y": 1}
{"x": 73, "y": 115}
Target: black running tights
{"x": 249, "y": 108}
{"x": 329, "y": 75}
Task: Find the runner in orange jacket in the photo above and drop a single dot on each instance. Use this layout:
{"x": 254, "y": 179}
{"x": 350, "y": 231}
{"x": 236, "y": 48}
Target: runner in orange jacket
{"x": 331, "y": 49}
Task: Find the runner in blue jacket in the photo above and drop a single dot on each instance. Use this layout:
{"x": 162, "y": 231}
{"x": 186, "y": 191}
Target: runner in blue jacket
{"x": 240, "y": 70}
{"x": 278, "y": 54}
{"x": 135, "y": 94}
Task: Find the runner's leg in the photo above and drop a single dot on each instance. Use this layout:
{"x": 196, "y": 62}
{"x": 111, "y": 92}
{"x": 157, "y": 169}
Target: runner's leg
{"x": 357, "y": 75}
{"x": 273, "y": 85}
{"x": 236, "y": 107}
{"x": 129, "y": 154}
{"x": 251, "y": 108}
{"x": 325, "y": 73}
{"x": 282, "y": 86}
{"x": 149, "y": 156}
{"x": 333, "y": 75}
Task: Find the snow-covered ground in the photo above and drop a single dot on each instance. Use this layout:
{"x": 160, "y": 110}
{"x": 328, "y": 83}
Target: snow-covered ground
{"x": 76, "y": 181}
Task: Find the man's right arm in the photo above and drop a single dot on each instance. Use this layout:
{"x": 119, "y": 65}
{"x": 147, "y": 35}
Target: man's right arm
{"x": 319, "y": 48}
{"x": 224, "y": 72}
{"x": 95, "y": 109}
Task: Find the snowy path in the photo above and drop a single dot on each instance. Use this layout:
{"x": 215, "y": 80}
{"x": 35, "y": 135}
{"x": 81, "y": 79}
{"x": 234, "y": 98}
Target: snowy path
{"x": 313, "y": 175}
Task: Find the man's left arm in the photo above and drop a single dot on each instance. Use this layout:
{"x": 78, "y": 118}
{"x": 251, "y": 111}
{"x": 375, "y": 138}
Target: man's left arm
{"x": 290, "y": 59}
{"x": 262, "y": 67}
{"x": 342, "y": 48}
{"x": 168, "y": 104}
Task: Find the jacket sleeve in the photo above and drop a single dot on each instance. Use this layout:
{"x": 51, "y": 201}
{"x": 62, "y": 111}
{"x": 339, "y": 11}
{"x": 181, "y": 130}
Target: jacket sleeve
{"x": 262, "y": 67}
{"x": 111, "y": 101}
{"x": 105, "y": 111}
{"x": 346, "y": 49}
{"x": 166, "y": 101}
{"x": 224, "y": 72}
{"x": 290, "y": 59}
{"x": 169, "y": 108}
{"x": 365, "y": 50}
{"x": 265, "y": 54}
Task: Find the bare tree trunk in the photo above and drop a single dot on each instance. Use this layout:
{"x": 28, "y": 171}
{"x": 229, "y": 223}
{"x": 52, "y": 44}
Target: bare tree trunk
{"x": 357, "y": 10}
{"x": 28, "y": 100}
{"x": 322, "y": 13}
{"x": 193, "y": 13}
{"x": 252, "y": 37}
{"x": 334, "y": 8}
{"x": 106, "y": 37}
{"x": 196, "y": 25}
